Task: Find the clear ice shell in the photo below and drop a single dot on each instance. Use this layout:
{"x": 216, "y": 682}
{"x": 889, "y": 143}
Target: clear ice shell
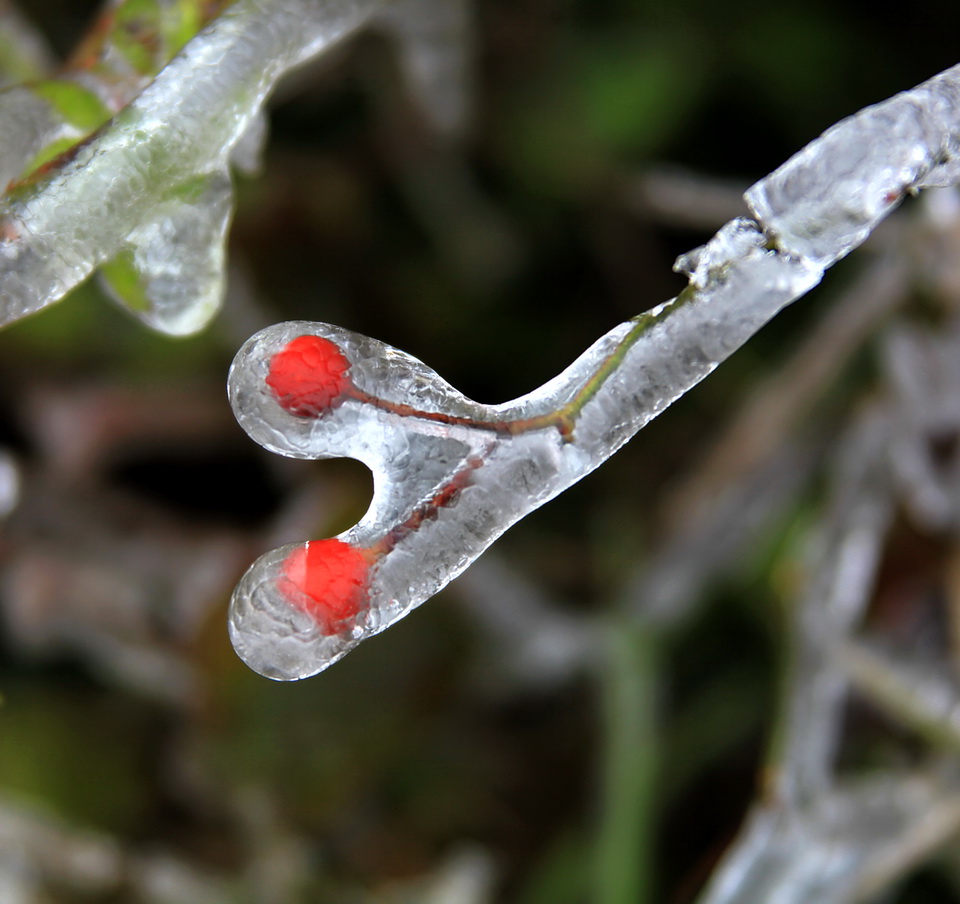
{"x": 812, "y": 211}
{"x": 36, "y": 127}
{"x": 428, "y": 534}
{"x": 175, "y": 261}
{"x": 826, "y": 199}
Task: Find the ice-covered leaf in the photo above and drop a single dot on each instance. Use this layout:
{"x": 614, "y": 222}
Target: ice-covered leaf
{"x": 122, "y": 161}
{"x": 451, "y": 475}
{"x": 47, "y": 117}
{"x": 170, "y": 271}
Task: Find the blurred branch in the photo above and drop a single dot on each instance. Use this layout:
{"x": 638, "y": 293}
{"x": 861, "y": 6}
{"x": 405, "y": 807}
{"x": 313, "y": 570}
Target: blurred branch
{"x": 686, "y": 199}
{"x": 24, "y": 54}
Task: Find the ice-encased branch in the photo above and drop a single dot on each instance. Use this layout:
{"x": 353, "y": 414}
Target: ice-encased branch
{"x": 808, "y": 838}
{"x": 451, "y": 475}
{"x": 839, "y": 848}
{"x": 149, "y": 192}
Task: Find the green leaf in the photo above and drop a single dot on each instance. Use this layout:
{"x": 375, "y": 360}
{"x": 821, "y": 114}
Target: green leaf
{"x": 73, "y": 103}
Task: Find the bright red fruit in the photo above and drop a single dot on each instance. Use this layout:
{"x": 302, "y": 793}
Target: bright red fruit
{"x": 308, "y": 376}
{"x": 327, "y": 579}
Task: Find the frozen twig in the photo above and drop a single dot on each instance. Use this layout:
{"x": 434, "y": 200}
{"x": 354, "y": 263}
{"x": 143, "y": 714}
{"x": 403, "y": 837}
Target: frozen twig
{"x": 148, "y": 193}
{"x": 451, "y": 475}
{"x": 842, "y": 578}
{"x": 840, "y": 846}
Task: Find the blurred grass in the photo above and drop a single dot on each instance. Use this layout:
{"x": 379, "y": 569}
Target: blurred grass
{"x": 630, "y": 769}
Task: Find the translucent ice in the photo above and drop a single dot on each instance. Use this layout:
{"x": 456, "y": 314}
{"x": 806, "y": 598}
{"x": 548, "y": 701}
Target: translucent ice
{"x": 839, "y": 849}
{"x": 52, "y": 110}
{"x": 450, "y": 475}
{"x": 142, "y": 185}
{"x": 825, "y": 200}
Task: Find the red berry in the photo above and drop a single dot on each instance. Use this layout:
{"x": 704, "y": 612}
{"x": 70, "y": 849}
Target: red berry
{"x": 327, "y": 579}
{"x": 308, "y": 376}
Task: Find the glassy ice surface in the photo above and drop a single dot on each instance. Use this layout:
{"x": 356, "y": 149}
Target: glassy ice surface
{"x": 170, "y": 270}
{"x": 830, "y": 850}
{"x": 37, "y": 127}
{"x": 149, "y": 194}
{"x": 451, "y": 475}
{"x": 824, "y": 201}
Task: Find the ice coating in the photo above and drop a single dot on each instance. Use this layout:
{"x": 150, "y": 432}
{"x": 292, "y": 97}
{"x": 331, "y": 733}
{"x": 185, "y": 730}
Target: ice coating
{"x": 142, "y": 188}
{"x": 451, "y": 475}
{"x": 829, "y": 850}
{"x": 825, "y": 200}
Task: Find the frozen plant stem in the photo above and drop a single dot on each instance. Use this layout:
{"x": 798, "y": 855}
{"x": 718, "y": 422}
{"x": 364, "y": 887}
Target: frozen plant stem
{"x": 451, "y": 475}
{"x": 144, "y": 187}
{"x": 849, "y": 547}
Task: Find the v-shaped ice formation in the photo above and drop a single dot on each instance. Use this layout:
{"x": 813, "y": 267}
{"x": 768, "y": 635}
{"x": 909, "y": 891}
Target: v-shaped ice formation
{"x": 451, "y": 475}
{"x": 123, "y": 160}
